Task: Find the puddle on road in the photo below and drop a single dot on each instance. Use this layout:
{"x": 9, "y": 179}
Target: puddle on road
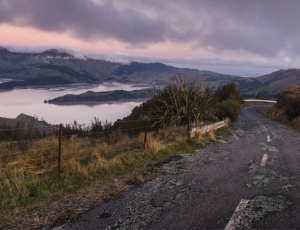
{"x": 260, "y": 206}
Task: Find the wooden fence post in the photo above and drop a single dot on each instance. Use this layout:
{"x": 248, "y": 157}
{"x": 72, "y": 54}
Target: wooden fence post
{"x": 189, "y": 129}
{"x": 59, "y": 149}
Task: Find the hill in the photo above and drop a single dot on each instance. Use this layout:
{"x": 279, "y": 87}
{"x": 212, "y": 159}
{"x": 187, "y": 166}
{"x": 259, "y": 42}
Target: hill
{"x": 100, "y": 97}
{"x": 54, "y": 67}
{"x": 287, "y": 109}
{"x": 272, "y": 84}
{"x": 64, "y": 68}
{"x": 24, "y": 123}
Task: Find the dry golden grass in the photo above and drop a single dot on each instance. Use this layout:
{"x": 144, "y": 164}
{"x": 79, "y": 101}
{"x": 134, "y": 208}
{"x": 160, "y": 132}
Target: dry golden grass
{"x": 210, "y": 135}
{"x": 41, "y": 156}
{"x": 173, "y": 133}
{"x": 30, "y": 177}
{"x": 278, "y": 115}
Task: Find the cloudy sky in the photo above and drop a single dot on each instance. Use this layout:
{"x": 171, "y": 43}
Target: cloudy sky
{"x": 243, "y": 37}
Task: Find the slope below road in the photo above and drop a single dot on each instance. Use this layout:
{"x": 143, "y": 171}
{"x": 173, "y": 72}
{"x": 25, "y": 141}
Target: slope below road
{"x": 202, "y": 190}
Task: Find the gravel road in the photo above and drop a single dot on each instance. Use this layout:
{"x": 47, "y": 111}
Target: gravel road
{"x": 202, "y": 190}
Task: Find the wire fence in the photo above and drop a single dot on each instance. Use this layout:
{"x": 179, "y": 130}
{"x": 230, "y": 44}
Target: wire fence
{"x": 30, "y": 145}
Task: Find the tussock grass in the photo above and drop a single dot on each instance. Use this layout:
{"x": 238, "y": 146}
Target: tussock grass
{"x": 30, "y": 178}
{"x": 278, "y": 115}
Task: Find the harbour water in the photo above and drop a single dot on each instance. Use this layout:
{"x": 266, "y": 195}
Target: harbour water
{"x": 30, "y": 101}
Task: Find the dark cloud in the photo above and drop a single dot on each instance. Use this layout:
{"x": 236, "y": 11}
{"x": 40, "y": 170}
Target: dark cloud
{"x": 260, "y": 27}
{"x": 84, "y": 19}
{"x": 264, "y": 27}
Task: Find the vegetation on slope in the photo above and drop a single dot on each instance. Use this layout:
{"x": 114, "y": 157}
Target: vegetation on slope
{"x": 287, "y": 108}
{"x": 187, "y": 103}
{"x": 270, "y": 85}
{"x": 104, "y": 152}
{"x": 100, "y": 97}
{"x": 29, "y": 179}
{"x": 227, "y": 102}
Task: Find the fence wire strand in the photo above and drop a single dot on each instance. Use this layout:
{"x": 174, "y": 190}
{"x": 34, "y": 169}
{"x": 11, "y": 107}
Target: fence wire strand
{"x": 118, "y": 140}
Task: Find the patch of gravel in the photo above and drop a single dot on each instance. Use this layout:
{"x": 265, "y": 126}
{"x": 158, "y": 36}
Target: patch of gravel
{"x": 208, "y": 157}
{"x": 159, "y": 195}
{"x": 260, "y": 206}
{"x": 261, "y": 176}
{"x": 176, "y": 164}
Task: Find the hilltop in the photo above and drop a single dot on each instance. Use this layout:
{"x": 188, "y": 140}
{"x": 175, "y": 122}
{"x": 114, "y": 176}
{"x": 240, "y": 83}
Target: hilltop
{"x": 274, "y": 82}
{"x": 57, "y": 67}
{"x": 26, "y": 123}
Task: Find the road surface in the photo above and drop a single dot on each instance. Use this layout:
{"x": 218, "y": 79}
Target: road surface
{"x": 257, "y": 163}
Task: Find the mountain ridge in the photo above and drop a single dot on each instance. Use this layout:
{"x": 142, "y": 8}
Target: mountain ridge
{"x": 54, "y": 66}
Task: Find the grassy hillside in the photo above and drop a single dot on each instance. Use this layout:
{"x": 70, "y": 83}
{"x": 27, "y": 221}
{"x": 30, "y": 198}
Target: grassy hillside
{"x": 272, "y": 84}
{"x": 287, "y": 109}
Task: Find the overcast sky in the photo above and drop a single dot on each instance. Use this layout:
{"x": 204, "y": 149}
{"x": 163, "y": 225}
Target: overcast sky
{"x": 243, "y": 37}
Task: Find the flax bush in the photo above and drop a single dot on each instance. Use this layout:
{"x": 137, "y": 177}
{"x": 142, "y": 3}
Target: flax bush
{"x": 181, "y": 103}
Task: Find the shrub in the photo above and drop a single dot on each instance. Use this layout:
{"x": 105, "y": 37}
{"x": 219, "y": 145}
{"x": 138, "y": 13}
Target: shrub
{"x": 227, "y": 102}
{"x": 229, "y": 108}
{"x": 293, "y": 107}
{"x": 181, "y": 103}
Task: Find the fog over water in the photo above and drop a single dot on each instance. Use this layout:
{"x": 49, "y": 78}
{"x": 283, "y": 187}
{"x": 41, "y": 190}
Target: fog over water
{"x": 31, "y": 102}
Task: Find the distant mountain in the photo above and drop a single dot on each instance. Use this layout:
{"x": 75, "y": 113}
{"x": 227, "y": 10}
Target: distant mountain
{"x": 54, "y": 63}
{"x": 53, "y": 53}
{"x": 67, "y": 68}
{"x": 269, "y": 86}
{"x": 54, "y": 67}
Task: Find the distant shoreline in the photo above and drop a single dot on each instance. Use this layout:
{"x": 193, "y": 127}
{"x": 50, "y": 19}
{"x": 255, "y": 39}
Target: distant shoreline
{"x": 107, "y": 97}
{"x": 95, "y": 103}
